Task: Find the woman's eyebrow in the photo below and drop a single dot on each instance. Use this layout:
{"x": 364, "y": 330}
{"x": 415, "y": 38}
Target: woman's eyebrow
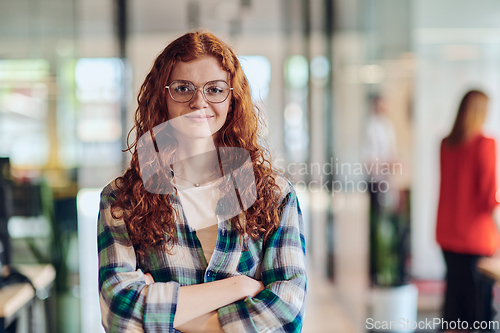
{"x": 201, "y": 84}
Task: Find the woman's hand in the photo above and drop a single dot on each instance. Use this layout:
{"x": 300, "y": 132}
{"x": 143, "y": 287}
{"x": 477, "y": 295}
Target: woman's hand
{"x": 251, "y": 287}
{"x": 489, "y": 267}
{"x": 148, "y": 278}
{"x": 207, "y": 323}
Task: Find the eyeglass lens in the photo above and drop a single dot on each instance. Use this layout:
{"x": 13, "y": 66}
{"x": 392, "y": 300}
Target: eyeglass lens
{"x": 214, "y": 91}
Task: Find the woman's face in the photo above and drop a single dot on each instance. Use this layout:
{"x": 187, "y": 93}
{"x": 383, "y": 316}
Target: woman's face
{"x": 198, "y": 118}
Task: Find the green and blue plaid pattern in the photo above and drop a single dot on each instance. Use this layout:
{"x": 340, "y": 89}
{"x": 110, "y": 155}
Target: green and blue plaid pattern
{"x": 129, "y": 305}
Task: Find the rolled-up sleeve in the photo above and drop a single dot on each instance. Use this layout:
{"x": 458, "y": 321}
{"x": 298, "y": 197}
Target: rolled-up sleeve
{"x": 279, "y": 307}
{"x": 127, "y": 303}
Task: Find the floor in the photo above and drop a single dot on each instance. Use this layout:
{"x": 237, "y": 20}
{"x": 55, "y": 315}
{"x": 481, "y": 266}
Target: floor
{"x": 324, "y": 314}
{"x": 340, "y": 306}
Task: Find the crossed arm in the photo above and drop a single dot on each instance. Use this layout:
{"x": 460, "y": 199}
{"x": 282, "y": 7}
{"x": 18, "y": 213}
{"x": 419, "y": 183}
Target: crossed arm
{"x": 197, "y": 304}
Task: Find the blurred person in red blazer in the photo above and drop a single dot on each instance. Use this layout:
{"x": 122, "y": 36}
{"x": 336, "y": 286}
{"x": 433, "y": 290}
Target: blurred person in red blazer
{"x": 465, "y": 227}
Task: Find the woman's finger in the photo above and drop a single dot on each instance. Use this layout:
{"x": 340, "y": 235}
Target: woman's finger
{"x": 148, "y": 278}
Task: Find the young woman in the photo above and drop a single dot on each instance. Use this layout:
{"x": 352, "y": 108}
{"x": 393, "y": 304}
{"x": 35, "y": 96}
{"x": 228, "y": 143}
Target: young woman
{"x": 465, "y": 227}
{"x": 200, "y": 234}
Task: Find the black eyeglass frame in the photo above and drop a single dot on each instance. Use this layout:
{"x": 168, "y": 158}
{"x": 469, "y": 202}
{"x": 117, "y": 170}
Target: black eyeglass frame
{"x": 196, "y": 88}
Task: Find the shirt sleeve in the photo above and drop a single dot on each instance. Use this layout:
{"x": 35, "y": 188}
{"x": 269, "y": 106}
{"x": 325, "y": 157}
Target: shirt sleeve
{"x": 279, "y": 307}
{"x": 127, "y": 303}
{"x": 486, "y": 176}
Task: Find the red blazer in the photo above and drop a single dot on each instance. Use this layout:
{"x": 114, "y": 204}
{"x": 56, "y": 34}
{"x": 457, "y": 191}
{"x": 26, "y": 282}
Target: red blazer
{"x": 467, "y": 197}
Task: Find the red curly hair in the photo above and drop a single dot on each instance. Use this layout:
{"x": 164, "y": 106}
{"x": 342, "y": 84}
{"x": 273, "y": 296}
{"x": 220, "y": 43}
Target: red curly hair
{"x": 150, "y": 218}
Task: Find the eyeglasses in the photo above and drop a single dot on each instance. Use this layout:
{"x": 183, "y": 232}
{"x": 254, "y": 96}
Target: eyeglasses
{"x": 214, "y": 91}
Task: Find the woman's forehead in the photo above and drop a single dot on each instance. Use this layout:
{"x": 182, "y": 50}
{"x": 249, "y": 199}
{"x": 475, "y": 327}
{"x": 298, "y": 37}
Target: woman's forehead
{"x": 199, "y": 71}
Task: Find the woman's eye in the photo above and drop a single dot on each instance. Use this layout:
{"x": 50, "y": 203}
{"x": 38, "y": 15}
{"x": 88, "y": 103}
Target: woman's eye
{"x": 183, "y": 89}
{"x": 214, "y": 90}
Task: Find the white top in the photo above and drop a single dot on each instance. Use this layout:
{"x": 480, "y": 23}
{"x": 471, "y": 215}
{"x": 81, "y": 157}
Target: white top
{"x": 199, "y": 206}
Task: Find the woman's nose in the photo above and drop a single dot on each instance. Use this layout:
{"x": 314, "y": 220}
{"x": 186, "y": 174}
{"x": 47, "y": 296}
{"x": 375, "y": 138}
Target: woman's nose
{"x": 198, "y": 101}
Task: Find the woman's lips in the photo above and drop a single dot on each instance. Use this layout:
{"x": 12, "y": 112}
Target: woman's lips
{"x": 199, "y": 118}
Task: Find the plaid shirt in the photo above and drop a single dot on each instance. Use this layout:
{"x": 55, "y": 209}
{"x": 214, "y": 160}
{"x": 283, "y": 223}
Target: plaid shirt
{"x": 129, "y": 305}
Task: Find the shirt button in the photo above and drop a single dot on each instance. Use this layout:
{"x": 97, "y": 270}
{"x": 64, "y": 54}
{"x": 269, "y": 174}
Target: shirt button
{"x": 209, "y": 273}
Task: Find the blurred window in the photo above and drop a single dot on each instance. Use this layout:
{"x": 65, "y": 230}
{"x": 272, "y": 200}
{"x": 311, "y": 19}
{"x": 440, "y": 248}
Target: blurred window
{"x": 24, "y": 97}
{"x": 258, "y": 72}
{"x": 98, "y": 92}
{"x": 296, "y": 71}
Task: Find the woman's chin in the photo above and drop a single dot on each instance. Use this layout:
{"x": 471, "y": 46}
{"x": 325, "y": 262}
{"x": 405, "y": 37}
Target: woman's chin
{"x": 193, "y": 130}
{"x": 197, "y": 135}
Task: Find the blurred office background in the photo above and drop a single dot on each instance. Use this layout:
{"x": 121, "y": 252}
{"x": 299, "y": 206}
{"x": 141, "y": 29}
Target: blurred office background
{"x": 70, "y": 71}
